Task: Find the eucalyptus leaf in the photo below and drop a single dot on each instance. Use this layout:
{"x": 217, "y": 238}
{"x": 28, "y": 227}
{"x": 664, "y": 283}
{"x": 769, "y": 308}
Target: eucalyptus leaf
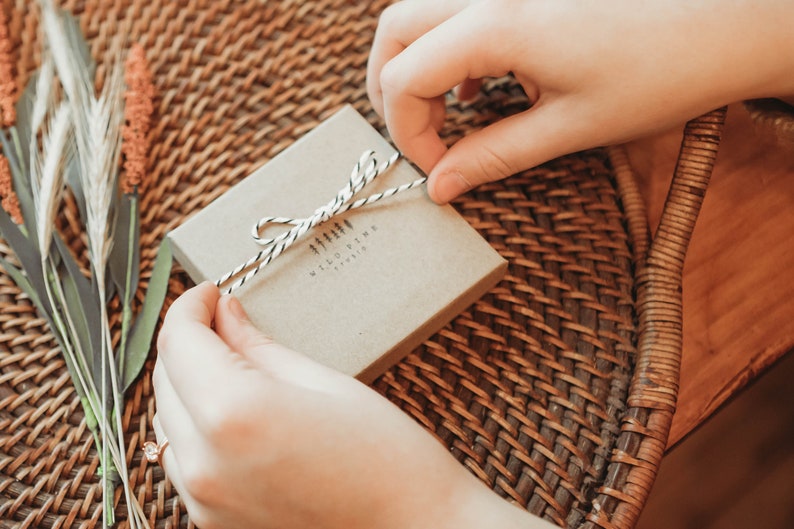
{"x": 142, "y": 331}
{"x": 79, "y": 324}
{"x": 97, "y": 372}
{"x": 83, "y": 304}
{"x": 9, "y": 151}
{"x": 22, "y": 282}
{"x": 110, "y": 289}
{"x": 21, "y": 184}
{"x": 125, "y": 257}
{"x": 24, "y": 107}
{"x": 27, "y": 252}
{"x": 26, "y": 204}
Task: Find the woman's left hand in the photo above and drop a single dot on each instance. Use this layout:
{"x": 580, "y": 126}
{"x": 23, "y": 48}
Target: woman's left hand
{"x": 262, "y": 437}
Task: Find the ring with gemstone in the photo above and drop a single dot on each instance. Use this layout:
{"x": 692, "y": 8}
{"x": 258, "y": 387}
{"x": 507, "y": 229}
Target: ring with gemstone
{"x": 153, "y": 451}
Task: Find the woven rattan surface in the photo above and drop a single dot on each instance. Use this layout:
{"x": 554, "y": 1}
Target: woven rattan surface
{"x": 556, "y": 389}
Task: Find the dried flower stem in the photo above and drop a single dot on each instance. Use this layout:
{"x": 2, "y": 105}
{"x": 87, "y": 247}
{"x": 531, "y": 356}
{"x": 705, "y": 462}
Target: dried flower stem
{"x": 138, "y": 111}
{"x": 32, "y": 179}
{"x": 75, "y": 356}
{"x": 110, "y": 452}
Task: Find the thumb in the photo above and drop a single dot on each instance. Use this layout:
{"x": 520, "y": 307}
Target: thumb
{"x": 233, "y": 327}
{"x": 511, "y": 145}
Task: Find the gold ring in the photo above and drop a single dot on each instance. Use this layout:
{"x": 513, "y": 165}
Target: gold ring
{"x": 153, "y": 451}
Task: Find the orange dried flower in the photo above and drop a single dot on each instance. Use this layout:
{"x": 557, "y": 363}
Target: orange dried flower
{"x": 10, "y": 201}
{"x": 138, "y": 116}
{"x": 8, "y": 85}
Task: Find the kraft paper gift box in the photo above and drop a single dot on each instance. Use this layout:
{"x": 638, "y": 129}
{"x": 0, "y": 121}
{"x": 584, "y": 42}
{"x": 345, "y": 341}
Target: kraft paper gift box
{"x": 363, "y": 289}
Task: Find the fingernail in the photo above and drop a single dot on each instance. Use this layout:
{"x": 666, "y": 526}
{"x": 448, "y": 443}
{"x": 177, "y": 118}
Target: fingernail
{"x": 449, "y": 185}
{"x": 236, "y": 308}
{"x": 204, "y": 286}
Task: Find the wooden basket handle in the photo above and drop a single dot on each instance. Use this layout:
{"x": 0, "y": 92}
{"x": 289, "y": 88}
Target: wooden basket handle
{"x": 659, "y": 265}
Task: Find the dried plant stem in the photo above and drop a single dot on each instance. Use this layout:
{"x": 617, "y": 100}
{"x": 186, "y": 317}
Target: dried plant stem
{"x": 107, "y": 486}
{"x": 97, "y": 122}
{"x": 108, "y": 369}
{"x": 112, "y": 455}
{"x": 90, "y": 126}
{"x": 86, "y": 385}
{"x": 135, "y": 518}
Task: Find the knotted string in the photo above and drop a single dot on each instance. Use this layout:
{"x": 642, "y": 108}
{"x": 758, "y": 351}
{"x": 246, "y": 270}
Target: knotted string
{"x": 364, "y": 172}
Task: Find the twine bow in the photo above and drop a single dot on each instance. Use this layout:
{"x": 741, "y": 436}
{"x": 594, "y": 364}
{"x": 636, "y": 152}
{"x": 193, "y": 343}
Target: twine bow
{"x": 364, "y": 172}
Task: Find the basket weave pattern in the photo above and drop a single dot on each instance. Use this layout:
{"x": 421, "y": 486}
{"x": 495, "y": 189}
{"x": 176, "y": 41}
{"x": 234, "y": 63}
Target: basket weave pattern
{"x": 556, "y": 389}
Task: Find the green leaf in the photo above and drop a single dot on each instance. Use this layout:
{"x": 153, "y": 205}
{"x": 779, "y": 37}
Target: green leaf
{"x": 142, "y": 331}
{"x": 77, "y": 317}
{"x": 24, "y": 107}
{"x": 125, "y": 256}
{"x": 124, "y": 265}
{"x": 21, "y": 184}
{"x": 82, "y": 304}
{"x": 87, "y": 294}
{"x": 28, "y": 254}
{"x": 44, "y": 311}
{"x": 9, "y": 151}
{"x": 90, "y": 418}
{"x": 26, "y": 204}
{"x": 22, "y": 282}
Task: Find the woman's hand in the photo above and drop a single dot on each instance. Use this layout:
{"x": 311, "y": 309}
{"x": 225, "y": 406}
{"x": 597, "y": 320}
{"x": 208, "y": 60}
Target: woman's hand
{"x": 262, "y": 437}
{"x": 597, "y": 72}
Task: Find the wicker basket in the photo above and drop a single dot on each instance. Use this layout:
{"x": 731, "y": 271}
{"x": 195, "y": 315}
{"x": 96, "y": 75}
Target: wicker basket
{"x": 556, "y": 389}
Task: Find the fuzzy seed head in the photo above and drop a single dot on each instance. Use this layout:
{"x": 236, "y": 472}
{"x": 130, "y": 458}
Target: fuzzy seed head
{"x": 10, "y": 201}
{"x": 138, "y": 118}
{"x": 8, "y": 85}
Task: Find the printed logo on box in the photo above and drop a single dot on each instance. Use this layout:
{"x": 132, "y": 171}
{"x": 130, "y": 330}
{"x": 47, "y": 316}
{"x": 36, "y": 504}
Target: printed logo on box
{"x": 339, "y": 246}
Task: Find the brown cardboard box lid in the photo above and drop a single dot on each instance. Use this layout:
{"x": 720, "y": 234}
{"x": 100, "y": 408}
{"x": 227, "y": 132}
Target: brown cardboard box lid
{"x": 363, "y": 289}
